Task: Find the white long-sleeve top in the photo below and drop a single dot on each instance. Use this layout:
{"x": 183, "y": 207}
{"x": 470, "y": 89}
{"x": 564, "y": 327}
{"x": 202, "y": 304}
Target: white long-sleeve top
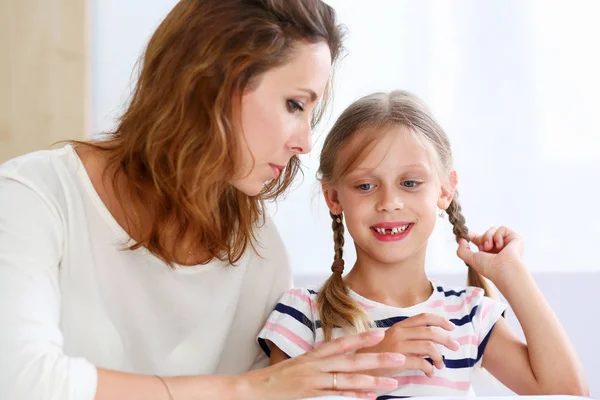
{"x": 71, "y": 299}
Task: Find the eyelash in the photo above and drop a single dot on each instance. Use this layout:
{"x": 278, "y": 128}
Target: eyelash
{"x": 416, "y": 185}
{"x": 411, "y": 187}
{"x": 294, "y": 106}
{"x": 363, "y": 184}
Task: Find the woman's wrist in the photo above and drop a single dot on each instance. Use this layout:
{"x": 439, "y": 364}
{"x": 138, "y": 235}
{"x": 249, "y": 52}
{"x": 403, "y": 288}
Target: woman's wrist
{"x": 225, "y": 387}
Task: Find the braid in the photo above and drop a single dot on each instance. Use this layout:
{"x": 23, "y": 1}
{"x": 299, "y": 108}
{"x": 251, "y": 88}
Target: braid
{"x": 336, "y": 307}
{"x": 337, "y": 225}
{"x": 461, "y": 231}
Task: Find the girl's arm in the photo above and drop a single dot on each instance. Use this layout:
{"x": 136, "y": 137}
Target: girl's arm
{"x": 547, "y": 364}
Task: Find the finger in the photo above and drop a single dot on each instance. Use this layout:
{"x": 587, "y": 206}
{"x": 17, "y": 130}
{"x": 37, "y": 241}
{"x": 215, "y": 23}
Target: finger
{"x": 356, "y": 382}
{"x": 476, "y": 238}
{"x": 424, "y": 348}
{"x": 348, "y": 343}
{"x": 425, "y": 319}
{"x": 488, "y": 242}
{"x": 419, "y": 363}
{"x": 431, "y": 334}
{"x": 499, "y": 237}
{"x": 361, "y": 362}
{"x": 464, "y": 251}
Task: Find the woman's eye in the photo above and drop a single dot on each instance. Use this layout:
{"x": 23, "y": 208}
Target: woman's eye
{"x": 365, "y": 187}
{"x": 410, "y": 184}
{"x": 294, "y": 106}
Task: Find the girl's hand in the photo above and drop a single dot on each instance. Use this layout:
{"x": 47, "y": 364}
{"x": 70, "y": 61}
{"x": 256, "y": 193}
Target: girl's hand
{"x": 416, "y": 337}
{"x": 325, "y": 371}
{"x": 500, "y": 253}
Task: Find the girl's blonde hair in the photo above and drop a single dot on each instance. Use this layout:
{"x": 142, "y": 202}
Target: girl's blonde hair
{"x": 370, "y": 116}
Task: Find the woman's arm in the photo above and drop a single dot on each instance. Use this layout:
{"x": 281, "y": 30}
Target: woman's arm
{"x": 113, "y": 385}
{"x": 32, "y": 362}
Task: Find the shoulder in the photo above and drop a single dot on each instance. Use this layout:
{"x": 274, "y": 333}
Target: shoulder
{"x": 459, "y": 303}
{"x": 300, "y": 303}
{"x": 269, "y": 253}
{"x": 34, "y": 201}
{"x": 45, "y": 173}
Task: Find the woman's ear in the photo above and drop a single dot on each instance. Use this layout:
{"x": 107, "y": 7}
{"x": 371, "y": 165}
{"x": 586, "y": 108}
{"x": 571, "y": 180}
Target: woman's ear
{"x": 331, "y": 198}
{"x": 447, "y": 193}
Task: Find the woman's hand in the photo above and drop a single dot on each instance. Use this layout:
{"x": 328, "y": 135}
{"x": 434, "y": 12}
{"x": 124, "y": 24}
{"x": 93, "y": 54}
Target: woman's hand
{"x": 500, "y": 253}
{"x": 417, "y": 337}
{"x": 325, "y": 371}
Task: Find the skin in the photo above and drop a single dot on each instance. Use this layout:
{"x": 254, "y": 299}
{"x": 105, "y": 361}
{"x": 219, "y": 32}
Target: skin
{"x": 275, "y": 116}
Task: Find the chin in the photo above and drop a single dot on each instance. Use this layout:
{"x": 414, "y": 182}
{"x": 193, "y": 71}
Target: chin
{"x": 252, "y": 190}
{"x": 390, "y": 256}
{"x": 249, "y": 187}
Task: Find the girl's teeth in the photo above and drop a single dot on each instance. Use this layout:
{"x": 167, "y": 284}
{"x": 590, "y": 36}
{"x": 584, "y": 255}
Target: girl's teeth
{"x": 393, "y": 231}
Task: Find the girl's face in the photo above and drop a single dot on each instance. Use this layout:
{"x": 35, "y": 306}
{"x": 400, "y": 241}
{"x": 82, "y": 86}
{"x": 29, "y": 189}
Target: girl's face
{"x": 275, "y": 116}
{"x": 390, "y": 200}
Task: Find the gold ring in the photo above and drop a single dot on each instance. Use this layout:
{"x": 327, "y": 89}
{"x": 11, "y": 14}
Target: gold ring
{"x": 334, "y": 383}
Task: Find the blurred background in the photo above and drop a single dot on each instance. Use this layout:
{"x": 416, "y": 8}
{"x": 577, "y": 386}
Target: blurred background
{"x": 515, "y": 84}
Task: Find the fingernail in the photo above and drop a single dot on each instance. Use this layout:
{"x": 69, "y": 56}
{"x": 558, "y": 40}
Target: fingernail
{"x": 397, "y": 357}
{"x": 456, "y": 344}
{"x": 487, "y": 243}
{"x": 377, "y": 333}
{"x": 390, "y": 382}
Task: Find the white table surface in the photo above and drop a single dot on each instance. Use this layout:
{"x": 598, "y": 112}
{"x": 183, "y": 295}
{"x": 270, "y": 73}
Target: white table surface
{"x": 463, "y": 398}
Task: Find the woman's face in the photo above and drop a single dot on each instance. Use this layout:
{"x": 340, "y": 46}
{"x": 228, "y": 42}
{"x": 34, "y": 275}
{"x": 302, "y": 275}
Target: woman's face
{"x": 275, "y": 115}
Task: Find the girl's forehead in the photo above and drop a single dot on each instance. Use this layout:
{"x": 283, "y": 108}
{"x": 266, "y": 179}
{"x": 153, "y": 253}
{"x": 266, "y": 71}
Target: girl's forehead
{"x": 396, "y": 147}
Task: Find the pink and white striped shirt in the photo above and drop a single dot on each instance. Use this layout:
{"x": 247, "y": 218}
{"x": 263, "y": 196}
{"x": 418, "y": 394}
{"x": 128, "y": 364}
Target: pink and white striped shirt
{"x": 295, "y": 328}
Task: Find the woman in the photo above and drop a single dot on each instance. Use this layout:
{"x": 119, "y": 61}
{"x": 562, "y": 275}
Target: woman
{"x": 143, "y": 266}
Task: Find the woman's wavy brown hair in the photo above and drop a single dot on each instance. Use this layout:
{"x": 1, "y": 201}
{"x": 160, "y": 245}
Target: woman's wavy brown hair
{"x": 362, "y": 125}
{"x": 174, "y": 143}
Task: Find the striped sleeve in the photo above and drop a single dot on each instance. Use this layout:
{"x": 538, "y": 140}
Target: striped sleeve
{"x": 487, "y": 314}
{"x": 291, "y": 326}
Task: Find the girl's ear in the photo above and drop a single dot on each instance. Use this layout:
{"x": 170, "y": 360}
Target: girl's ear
{"x": 331, "y": 198}
{"x": 447, "y": 193}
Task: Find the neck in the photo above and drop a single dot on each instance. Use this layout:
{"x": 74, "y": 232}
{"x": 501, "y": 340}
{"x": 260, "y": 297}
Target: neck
{"x": 402, "y": 284}
{"x": 134, "y": 215}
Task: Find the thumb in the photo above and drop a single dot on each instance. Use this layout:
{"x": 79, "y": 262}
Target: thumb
{"x": 477, "y": 260}
{"x": 464, "y": 252}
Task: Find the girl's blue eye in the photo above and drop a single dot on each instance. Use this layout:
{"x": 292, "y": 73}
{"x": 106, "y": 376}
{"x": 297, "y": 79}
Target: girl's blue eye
{"x": 294, "y": 106}
{"x": 410, "y": 184}
{"x": 365, "y": 187}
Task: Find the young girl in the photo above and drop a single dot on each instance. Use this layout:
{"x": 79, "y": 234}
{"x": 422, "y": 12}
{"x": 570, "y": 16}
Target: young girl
{"x": 386, "y": 170}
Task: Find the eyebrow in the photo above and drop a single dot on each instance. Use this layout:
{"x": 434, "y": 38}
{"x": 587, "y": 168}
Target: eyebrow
{"x": 411, "y": 166}
{"x": 312, "y": 94}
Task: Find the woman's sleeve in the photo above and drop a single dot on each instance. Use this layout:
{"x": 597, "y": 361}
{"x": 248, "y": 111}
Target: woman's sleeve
{"x": 33, "y": 365}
